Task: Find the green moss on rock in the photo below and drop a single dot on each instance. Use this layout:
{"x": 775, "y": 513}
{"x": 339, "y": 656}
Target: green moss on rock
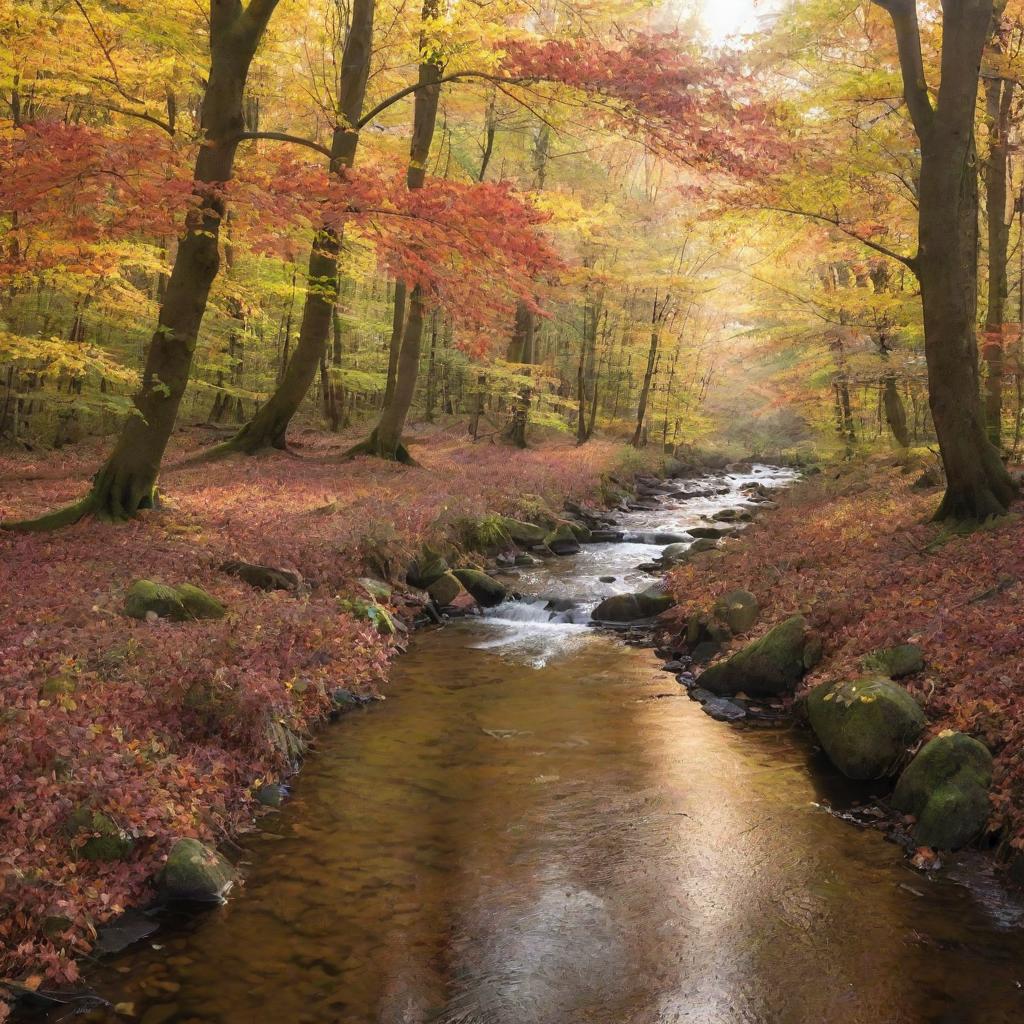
{"x": 896, "y": 662}
{"x": 107, "y": 842}
{"x": 487, "y": 591}
{"x": 195, "y": 872}
{"x": 738, "y": 610}
{"x": 865, "y": 725}
{"x": 445, "y": 589}
{"x": 562, "y": 541}
{"x": 770, "y": 666}
{"x": 946, "y": 788}
{"x": 179, "y": 604}
{"x": 524, "y": 534}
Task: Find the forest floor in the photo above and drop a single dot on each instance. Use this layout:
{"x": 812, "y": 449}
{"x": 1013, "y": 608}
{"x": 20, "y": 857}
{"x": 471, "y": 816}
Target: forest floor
{"x": 853, "y": 550}
{"x": 169, "y": 728}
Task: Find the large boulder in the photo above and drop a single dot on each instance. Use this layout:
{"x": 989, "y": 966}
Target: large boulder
{"x": 562, "y": 540}
{"x": 675, "y": 553}
{"x": 946, "y": 788}
{"x": 770, "y": 666}
{"x": 195, "y": 872}
{"x": 738, "y": 610}
{"x": 487, "y": 590}
{"x": 733, "y": 515}
{"x": 263, "y": 577}
{"x": 179, "y": 604}
{"x": 526, "y": 535}
{"x": 865, "y": 725}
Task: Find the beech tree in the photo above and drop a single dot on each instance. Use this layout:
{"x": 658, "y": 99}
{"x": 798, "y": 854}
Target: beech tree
{"x": 977, "y": 483}
{"x": 127, "y": 482}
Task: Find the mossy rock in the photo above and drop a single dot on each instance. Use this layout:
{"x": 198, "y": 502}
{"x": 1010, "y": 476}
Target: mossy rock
{"x": 946, "y": 788}
{"x": 738, "y": 609}
{"x": 865, "y": 725}
{"x": 180, "y": 604}
{"x": 430, "y": 566}
{"x": 487, "y": 590}
{"x": 655, "y": 600}
{"x": 526, "y": 535}
{"x": 145, "y": 596}
{"x": 445, "y": 589}
{"x": 895, "y": 662}
{"x": 619, "y": 608}
{"x": 770, "y": 666}
{"x": 582, "y": 533}
{"x": 263, "y": 577}
{"x": 199, "y": 604}
{"x": 107, "y": 842}
{"x": 708, "y": 532}
{"x": 675, "y": 553}
{"x": 195, "y": 872}
{"x": 703, "y": 544}
{"x": 562, "y": 541}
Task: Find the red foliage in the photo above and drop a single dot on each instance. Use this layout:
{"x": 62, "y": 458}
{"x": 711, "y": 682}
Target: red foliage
{"x": 659, "y": 88}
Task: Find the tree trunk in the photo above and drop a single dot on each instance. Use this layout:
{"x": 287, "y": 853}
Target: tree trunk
{"x": 645, "y": 389}
{"x": 269, "y": 427}
{"x": 386, "y": 439}
{"x": 998, "y": 106}
{"x": 127, "y": 482}
{"x": 977, "y": 483}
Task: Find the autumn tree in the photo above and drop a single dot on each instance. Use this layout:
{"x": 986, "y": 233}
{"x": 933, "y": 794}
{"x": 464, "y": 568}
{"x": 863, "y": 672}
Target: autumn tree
{"x": 977, "y": 483}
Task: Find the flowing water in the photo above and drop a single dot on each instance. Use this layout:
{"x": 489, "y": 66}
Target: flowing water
{"x": 538, "y": 827}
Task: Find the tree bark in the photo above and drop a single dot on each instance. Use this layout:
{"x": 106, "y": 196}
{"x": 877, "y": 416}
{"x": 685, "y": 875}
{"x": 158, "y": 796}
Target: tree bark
{"x": 386, "y": 439}
{"x": 977, "y": 483}
{"x": 269, "y": 427}
{"x": 127, "y": 482}
{"x": 998, "y": 105}
{"x": 652, "y": 355}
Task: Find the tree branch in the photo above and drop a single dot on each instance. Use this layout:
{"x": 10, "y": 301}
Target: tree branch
{"x": 911, "y": 262}
{"x": 296, "y": 140}
{"x": 453, "y": 77}
{"x": 908, "y": 44}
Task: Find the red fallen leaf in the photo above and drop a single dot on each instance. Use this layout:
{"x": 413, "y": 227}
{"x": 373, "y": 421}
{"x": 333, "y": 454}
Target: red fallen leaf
{"x": 926, "y": 859}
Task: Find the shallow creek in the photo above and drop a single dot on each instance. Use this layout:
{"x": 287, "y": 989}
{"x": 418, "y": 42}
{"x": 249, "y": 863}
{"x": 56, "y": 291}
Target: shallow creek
{"x": 538, "y": 827}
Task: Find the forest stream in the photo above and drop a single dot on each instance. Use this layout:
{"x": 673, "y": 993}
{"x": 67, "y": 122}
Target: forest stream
{"x": 539, "y": 827}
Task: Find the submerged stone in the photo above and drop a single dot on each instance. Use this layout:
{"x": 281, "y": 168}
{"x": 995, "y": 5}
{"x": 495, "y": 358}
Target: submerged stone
{"x": 865, "y": 725}
{"x": 946, "y": 788}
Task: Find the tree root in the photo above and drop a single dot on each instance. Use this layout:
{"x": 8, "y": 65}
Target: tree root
{"x": 56, "y": 520}
{"x": 371, "y": 446}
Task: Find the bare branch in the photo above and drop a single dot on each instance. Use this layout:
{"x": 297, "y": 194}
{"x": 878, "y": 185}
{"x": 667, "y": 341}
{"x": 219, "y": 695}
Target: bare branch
{"x": 295, "y": 140}
{"x": 908, "y": 44}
